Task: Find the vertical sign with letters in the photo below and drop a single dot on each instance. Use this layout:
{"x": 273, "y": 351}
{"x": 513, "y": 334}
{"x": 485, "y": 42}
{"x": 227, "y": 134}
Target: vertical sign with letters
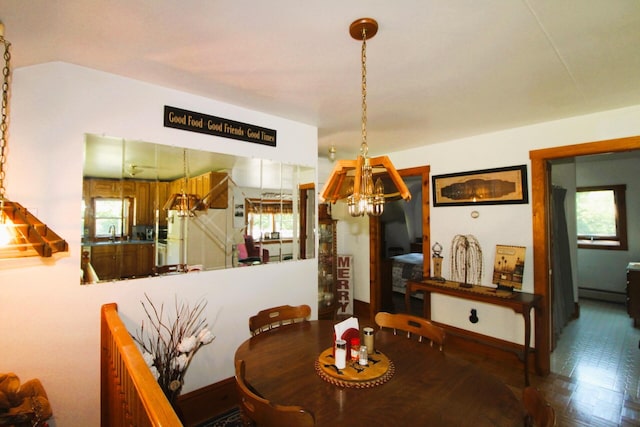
{"x": 344, "y": 284}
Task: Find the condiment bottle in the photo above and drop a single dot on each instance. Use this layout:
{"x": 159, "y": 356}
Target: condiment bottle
{"x": 368, "y": 339}
{"x": 363, "y": 356}
{"x": 355, "y": 347}
{"x": 341, "y": 354}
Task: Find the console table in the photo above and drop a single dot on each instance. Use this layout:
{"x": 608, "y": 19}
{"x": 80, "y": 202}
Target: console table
{"x": 519, "y": 302}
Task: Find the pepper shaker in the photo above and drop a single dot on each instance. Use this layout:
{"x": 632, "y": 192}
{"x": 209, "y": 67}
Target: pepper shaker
{"x": 368, "y": 340}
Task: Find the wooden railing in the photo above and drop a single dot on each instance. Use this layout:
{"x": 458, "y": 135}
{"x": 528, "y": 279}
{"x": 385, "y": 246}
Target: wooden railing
{"x": 129, "y": 394}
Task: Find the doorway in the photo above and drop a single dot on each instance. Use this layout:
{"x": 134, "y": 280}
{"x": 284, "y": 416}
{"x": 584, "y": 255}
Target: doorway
{"x": 376, "y": 241}
{"x": 540, "y": 204}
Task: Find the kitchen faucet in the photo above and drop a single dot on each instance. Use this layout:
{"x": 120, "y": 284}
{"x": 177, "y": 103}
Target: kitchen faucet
{"x": 112, "y": 231}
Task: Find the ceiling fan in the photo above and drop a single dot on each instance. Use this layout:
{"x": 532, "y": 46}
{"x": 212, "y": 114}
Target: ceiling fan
{"x": 133, "y": 169}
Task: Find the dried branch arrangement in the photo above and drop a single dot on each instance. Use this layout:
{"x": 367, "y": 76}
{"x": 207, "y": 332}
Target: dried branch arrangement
{"x": 169, "y": 344}
{"x": 466, "y": 259}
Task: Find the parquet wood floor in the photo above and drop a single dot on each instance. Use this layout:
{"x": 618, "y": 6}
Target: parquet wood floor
{"x": 595, "y": 379}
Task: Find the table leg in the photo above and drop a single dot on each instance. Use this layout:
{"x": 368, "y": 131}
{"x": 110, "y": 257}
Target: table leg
{"x": 426, "y": 305}
{"x": 527, "y": 341}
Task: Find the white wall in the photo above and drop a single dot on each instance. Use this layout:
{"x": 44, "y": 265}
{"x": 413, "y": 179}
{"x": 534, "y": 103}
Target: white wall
{"x": 506, "y": 224}
{"x": 49, "y": 323}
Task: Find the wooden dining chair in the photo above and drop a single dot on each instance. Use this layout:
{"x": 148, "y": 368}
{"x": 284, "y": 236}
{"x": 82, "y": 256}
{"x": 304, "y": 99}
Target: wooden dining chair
{"x": 257, "y": 411}
{"x": 539, "y": 412}
{"x": 412, "y": 324}
{"x": 277, "y": 316}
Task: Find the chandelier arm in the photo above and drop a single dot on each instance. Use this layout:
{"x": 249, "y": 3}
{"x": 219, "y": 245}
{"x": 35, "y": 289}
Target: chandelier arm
{"x": 384, "y": 162}
{"x": 357, "y": 179}
{"x": 335, "y": 180}
{"x": 335, "y": 196}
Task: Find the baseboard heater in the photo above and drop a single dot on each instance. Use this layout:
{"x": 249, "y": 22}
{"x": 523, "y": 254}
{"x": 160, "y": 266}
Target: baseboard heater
{"x": 599, "y": 294}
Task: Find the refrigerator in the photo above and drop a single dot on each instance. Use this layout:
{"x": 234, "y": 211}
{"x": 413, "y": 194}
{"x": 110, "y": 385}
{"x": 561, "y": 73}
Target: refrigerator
{"x": 198, "y": 241}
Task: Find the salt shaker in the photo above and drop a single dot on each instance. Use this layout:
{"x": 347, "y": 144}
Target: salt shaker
{"x": 368, "y": 340}
{"x": 363, "y": 356}
{"x": 341, "y": 354}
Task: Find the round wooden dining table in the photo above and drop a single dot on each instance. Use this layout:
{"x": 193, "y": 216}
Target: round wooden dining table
{"x": 427, "y": 388}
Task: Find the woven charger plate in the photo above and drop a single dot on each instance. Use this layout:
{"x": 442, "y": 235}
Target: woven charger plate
{"x": 378, "y": 370}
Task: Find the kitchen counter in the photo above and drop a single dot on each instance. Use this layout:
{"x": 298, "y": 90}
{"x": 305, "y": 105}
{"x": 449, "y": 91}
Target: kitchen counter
{"x": 117, "y": 242}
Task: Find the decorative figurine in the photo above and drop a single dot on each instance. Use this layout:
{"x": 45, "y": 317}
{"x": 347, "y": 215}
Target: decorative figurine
{"x": 437, "y": 262}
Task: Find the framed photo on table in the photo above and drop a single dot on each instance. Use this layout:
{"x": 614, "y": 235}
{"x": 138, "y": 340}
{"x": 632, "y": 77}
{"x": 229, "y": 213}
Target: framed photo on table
{"x": 507, "y": 185}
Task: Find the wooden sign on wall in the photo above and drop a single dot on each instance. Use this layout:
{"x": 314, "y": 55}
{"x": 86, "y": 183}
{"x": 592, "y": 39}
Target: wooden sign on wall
{"x": 344, "y": 284}
{"x": 202, "y": 123}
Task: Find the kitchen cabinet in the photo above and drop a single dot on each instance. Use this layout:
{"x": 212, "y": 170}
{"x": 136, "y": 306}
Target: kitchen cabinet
{"x": 196, "y": 186}
{"x": 633, "y": 291}
{"x": 146, "y": 255}
{"x": 122, "y": 260}
{"x": 217, "y": 183}
{"x": 127, "y": 260}
{"x": 103, "y": 261}
{"x": 143, "y": 207}
{"x": 137, "y": 260}
{"x": 214, "y": 182}
{"x": 104, "y": 188}
{"x": 160, "y": 197}
{"x": 111, "y": 188}
{"x": 210, "y": 182}
{"x": 327, "y": 265}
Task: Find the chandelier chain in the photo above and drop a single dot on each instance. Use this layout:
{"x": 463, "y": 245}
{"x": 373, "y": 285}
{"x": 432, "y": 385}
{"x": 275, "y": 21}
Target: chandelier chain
{"x": 185, "y": 182}
{"x": 364, "y": 147}
{"x": 5, "y": 108}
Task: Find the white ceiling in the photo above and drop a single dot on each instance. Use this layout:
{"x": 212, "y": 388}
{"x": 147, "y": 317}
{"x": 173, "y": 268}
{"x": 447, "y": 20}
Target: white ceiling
{"x": 437, "y": 70}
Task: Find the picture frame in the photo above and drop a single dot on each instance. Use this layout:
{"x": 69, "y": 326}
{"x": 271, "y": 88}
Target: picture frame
{"x": 498, "y": 186}
{"x": 508, "y": 266}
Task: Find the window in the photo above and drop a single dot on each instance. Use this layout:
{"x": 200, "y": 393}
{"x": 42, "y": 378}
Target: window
{"x": 112, "y": 216}
{"x": 268, "y": 216}
{"x": 601, "y": 217}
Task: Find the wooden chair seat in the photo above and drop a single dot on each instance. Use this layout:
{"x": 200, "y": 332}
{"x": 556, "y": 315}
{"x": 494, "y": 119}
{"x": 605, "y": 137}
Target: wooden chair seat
{"x": 412, "y": 325}
{"x": 277, "y": 316}
{"x": 539, "y": 412}
{"x": 260, "y": 412}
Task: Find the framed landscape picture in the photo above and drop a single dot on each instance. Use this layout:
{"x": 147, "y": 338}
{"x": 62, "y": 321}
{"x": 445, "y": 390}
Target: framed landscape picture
{"x": 506, "y": 185}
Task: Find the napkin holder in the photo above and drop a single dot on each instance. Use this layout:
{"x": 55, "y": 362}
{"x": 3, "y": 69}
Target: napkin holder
{"x": 347, "y": 335}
